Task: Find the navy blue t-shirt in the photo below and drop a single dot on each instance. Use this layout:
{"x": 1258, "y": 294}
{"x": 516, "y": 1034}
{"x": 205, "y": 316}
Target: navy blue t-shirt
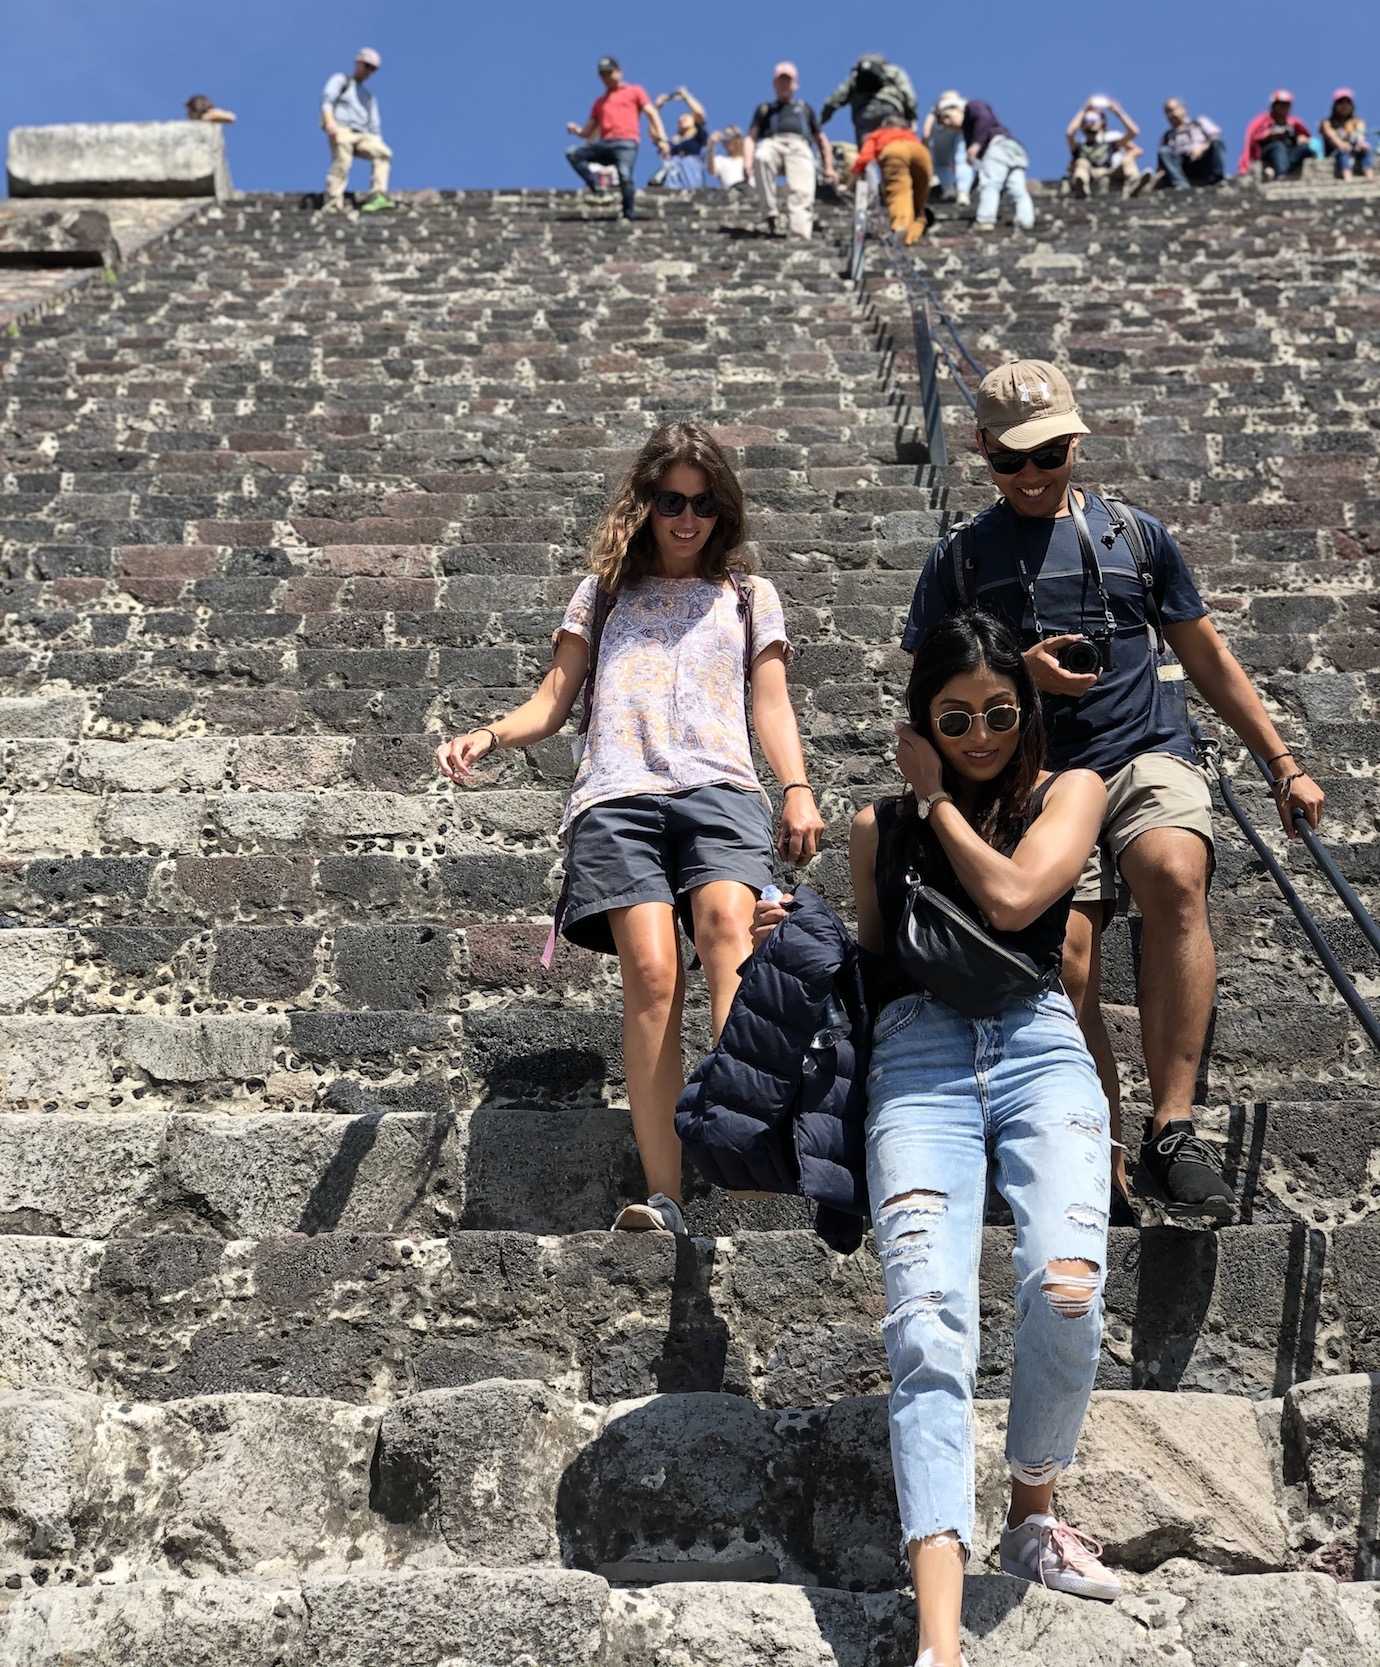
{"x": 1129, "y": 710}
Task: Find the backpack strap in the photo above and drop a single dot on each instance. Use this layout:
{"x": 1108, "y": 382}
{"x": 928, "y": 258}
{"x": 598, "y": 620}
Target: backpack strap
{"x": 603, "y": 607}
{"x": 960, "y": 563}
{"x": 1127, "y": 522}
{"x": 746, "y": 598}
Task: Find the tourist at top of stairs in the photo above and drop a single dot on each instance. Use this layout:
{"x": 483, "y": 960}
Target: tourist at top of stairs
{"x": 1116, "y": 704}
{"x": 684, "y": 168}
{"x": 953, "y": 172}
{"x": 1191, "y": 149}
{"x": 1001, "y": 162}
{"x": 353, "y": 127}
{"x": 724, "y": 158}
{"x": 904, "y": 160}
{"x": 667, "y": 820}
{"x": 1276, "y": 140}
{"x": 202, "y": 109}
{"x": 781, "y": 139}
{"x": 1344, "y": 137}
{"x": 878, "y": 93}
{"x": 1102, "y": 156}
{"x": 1001, "y": 838}
{"x": 612, "y": 131}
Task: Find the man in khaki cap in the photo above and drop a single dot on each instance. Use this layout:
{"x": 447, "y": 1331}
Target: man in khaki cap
{"x": 350, "y": 118}
{"x": 1103, "y": 597}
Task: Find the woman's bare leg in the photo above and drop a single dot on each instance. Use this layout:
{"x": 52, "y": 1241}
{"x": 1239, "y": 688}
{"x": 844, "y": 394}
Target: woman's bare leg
{"x": 936, "y": 1570}
{"x": 723, "y": 940}
{"x": 653, "y": 995}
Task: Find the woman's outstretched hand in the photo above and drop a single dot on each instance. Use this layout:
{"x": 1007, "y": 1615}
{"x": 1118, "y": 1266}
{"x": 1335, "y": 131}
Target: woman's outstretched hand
{"x": 456, "y": 759}
{"x": 766, "y": 917}
{"x": 917, "y": 761}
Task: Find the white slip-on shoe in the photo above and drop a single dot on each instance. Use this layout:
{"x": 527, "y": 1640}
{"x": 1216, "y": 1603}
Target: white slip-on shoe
{"x": 927, "y": 1659}
{"x": 659, "y": 1214}
{"x": 1043, "y": 1548}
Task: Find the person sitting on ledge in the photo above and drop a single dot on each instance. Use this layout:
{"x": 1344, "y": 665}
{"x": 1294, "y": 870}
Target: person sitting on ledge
{"x": 1191, "y": 149}
{"x": 1344, "y": 137}
{"x": 684, "y": 169}
{"x": 200, "y": 109}
{"x": 1103, "y": 157}
{"x": 350, "y": 118}
{"x": 611, "y": 132}
{"x": 1277, "y": 140}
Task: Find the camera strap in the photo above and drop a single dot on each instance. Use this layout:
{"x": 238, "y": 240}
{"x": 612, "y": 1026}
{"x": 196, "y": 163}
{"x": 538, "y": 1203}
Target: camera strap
{"x": 1092, "y": 566}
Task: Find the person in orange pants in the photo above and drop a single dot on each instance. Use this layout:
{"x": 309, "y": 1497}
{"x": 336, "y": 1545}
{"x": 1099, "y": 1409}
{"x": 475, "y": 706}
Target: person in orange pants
{"x": 907, "y": 170}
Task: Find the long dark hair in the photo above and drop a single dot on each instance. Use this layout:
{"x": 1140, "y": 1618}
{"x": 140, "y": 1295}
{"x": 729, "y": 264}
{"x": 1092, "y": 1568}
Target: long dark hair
{"x": 623, "y": 549}
{"x": 963, "y": 643}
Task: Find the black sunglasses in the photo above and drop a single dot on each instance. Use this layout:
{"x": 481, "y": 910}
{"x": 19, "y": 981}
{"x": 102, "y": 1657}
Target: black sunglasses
{"x": 998, "y": 719}
{"x": 704, "y": 505}
{"x": 1053, "y": 456}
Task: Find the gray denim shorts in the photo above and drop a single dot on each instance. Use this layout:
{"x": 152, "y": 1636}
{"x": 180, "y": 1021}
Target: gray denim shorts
{"x": 658, "y": 848}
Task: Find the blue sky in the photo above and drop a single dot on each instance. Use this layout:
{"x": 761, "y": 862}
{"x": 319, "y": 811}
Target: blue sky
{"x": 478, "y": 95}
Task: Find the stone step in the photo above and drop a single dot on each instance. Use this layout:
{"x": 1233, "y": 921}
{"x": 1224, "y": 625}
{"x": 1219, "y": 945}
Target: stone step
{"x": 774, "y": 1316}
{"x": 672, "y": 1487}
{"x": 346, "y": 1152}
{"x": 413, "y": 1619}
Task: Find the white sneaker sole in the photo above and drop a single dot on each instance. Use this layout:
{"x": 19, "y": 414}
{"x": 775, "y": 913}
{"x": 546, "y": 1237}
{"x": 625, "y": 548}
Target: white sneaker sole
{"x": 638, "y": 1218}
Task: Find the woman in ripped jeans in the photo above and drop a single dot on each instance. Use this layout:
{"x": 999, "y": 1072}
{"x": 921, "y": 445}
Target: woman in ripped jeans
{"x": 1000, "y": 837}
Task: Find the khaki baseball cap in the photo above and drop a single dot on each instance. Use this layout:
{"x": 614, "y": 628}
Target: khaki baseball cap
{"x": 1027, "y": 403}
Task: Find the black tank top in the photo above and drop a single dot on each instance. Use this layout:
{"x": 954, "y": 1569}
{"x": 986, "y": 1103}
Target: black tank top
{"x": 904, "y": 843}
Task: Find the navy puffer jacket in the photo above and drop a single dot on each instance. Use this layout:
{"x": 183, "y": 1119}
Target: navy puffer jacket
{"x": 779, "y": 1105}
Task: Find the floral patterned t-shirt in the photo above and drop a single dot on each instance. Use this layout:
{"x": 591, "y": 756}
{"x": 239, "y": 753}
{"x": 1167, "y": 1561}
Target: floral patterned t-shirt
{"x": 669, "y": 709}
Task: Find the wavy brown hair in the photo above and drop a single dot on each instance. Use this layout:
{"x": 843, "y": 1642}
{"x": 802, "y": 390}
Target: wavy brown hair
{"x": 623, "y": 549}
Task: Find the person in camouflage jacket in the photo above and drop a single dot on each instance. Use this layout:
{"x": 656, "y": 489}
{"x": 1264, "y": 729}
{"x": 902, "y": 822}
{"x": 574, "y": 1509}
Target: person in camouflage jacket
{"x": 879, "y": 94}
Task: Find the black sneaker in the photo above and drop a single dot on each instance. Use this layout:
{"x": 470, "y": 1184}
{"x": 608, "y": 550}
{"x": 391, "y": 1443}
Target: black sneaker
{"x": 1186, "y": 1173}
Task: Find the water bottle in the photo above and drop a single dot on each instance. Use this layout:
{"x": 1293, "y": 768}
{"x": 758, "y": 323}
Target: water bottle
{"x": 772, "y": 894}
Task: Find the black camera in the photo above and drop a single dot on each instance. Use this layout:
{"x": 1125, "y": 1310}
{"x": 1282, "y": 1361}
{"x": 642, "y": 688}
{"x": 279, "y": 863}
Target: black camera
{"x": 1087, "y": 655}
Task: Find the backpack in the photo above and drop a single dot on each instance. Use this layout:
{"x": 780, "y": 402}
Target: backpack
{"x": 961, "y": 564}
{"x": 603, "y": 607}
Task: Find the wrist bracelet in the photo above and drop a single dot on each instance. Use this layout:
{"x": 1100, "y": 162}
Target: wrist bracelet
{"x": 1284, "y": 783}
{"x": 1277, "y": 757}
{"x": 494, "y": 738}
{"x": 792, "y": 784}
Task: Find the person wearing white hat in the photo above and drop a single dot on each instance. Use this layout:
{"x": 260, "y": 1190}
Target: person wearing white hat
{"x": 350, "y": 119}
{"x": 942, "y": 132}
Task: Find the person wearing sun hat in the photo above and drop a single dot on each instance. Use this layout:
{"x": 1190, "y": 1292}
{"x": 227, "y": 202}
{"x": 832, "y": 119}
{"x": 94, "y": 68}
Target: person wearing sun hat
{"x": 1093, "y": 587}
{"x": 1276, "y": 139}
{"x": 943, "y": 133}
{"x": 351, "y": 121}
{"x": 1344, "y": 137}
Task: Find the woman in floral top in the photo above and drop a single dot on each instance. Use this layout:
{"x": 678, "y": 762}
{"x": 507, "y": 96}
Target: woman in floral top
{"x": 667, "y": 818}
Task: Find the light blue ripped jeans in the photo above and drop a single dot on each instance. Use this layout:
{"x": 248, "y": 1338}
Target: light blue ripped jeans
{"x": 943, "y": 1093}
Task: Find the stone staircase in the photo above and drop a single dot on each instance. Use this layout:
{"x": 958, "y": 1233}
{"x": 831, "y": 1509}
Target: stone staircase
{"x": 312, "y": 1347}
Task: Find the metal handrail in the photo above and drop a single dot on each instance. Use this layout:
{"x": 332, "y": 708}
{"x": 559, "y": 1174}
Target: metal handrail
{"x": 1341, "y": 979}
{"x": 1331, "y": 873}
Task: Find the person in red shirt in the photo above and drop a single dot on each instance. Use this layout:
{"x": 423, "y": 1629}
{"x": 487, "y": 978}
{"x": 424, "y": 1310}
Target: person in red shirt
{"x": 907, "y": 170}
{"x": 612, "y": 132}
{"x": 1277, "y": 140}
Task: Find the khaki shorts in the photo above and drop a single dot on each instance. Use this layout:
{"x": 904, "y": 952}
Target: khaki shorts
{"x": 1156, "y": 790}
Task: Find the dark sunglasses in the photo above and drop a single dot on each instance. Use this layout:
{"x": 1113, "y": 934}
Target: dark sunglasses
{"x": 1053, "y": 456}
{"x": 704, "y": 505}
{"x": 998, "y": 719}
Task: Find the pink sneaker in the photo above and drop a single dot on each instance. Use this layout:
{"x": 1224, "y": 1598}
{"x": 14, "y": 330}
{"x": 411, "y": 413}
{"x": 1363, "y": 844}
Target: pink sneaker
{"x": 1043, "y": 1548}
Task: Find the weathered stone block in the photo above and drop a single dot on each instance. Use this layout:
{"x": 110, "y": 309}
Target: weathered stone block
{"x": 118, "y": 159}
{"x": 393, "y": 966}
{"x": 31, "y": 961}
{"x": 57, "y": 238}
{"x": 267, "y": 963}
{"x": 200, "y": 1049}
